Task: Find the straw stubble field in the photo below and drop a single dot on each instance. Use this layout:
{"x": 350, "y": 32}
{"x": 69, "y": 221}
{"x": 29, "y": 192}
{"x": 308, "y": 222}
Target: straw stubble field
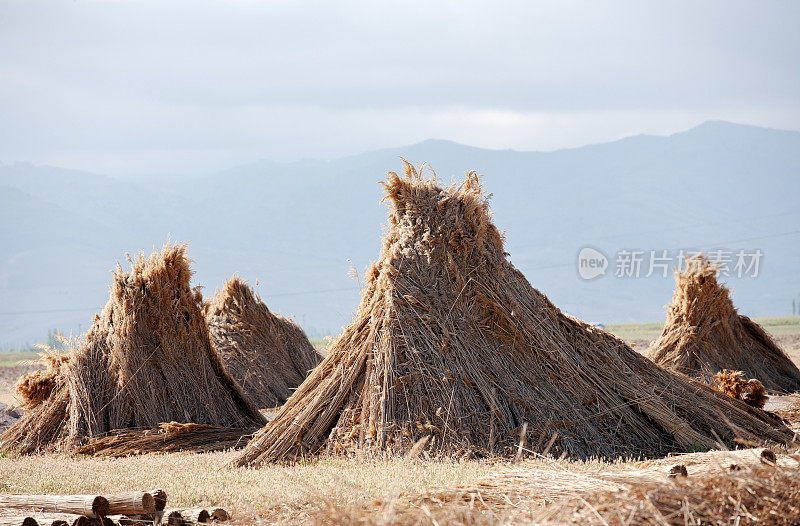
{"x": 336, "y": 490}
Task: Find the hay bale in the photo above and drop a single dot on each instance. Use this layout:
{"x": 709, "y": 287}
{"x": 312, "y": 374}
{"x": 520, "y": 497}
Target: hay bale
{"x": 704, "y": 334}
{"x": 268, "y": 355}
{"x": 146, "y": 359}
{"x": 452, "y": 345}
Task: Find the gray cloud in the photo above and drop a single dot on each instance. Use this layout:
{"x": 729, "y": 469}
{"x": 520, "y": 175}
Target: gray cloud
{"x": 153, "y": 86}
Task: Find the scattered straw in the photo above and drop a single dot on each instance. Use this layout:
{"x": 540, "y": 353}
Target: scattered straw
{"x": 706, "y": 491}
{"x": 168, "y": 438}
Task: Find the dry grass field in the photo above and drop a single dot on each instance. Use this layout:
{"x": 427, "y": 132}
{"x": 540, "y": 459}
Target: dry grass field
{"x": 337, "y": 491}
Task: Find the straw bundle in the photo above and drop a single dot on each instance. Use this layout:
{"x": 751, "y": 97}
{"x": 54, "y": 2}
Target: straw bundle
{"x": 146, "y": 359}
{"x": 732, "y": 383}
{"x": 452, "y": 345}
{"x": 167, "y": 438}
{"x": 267, "y": 354}
{"x": 704, "y": 334}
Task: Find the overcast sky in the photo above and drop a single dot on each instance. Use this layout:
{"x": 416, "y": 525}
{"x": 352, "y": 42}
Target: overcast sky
{"x": 127, "y": 87}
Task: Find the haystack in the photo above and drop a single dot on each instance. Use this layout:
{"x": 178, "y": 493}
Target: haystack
{"x": 704, "y": 334}
{"x": 147, "y": 359}
{"x": 453, "y": 352}
{"x": 267, "y": 354}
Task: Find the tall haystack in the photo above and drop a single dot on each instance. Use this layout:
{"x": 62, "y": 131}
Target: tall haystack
{"x": 453, "y": 351}
{"x": 704, "y": 334}
{"x": 147, "y": 359}
{"x": 267, "y": 354}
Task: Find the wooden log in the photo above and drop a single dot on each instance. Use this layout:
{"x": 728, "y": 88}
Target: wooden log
{"x": 92, "y": 506}
{"x": 186, "y": 516}
{"x": 160, "y": 498}
{"x": 58, "y": 520}
{"x": 18, "y": 521}
{"x": 219, "y": 514}
{"x": 137, "y": 520}
{"x": 139, "y": 503}
{"x": 172, "y": 518}
{"x": 195, "y": 515}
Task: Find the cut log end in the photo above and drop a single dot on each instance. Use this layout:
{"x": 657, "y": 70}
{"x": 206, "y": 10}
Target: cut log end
{"x": 159, "y": 498}
{"x": 219, "y": 514}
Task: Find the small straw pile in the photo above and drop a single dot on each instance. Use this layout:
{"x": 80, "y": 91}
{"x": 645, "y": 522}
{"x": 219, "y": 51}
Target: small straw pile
{"x": 732, "y": 383}
{"x": 704, "y": 334}
{"x": 146, "y": 359}
{"x": 453, "y": 351}
{"x": 267, "y": 354}
{"x": 168, "y": 438}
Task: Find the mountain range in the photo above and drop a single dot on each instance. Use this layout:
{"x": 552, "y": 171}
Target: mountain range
{"x": 302, "y": 233}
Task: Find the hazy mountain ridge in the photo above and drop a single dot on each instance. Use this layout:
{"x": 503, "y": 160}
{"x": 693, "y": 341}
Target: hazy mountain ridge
{"x": 293, "y": 226}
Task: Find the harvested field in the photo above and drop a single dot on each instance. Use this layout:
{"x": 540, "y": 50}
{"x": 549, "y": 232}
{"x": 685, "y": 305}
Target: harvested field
{"x": 337, "y": 490}
{"x": 344, "y": 491}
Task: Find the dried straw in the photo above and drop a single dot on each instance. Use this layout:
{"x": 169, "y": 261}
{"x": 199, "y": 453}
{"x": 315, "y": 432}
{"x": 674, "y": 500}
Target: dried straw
{"x": 167, "y": 438}
{"x": 563, "y": 493}
{"x": 146, "y": 359}
{"x": 704, "y": 334}
{"x": 758, "y": 494}
{"x": 267, "y": 354}
{"x": 732, "y": 383}
{"x": 450, "y": 342}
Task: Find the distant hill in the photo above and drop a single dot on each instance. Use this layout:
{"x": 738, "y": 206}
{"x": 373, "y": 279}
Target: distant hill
{"x": 296, "y": 227}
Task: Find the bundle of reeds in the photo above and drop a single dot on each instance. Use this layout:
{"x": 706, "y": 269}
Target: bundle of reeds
{"x": 452, "y": 346}
{"x": 146, "y": 359}
{"x": 267, "y": 354}
{"x": 169, "y": 437}
{"x": 704, "y": 334}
